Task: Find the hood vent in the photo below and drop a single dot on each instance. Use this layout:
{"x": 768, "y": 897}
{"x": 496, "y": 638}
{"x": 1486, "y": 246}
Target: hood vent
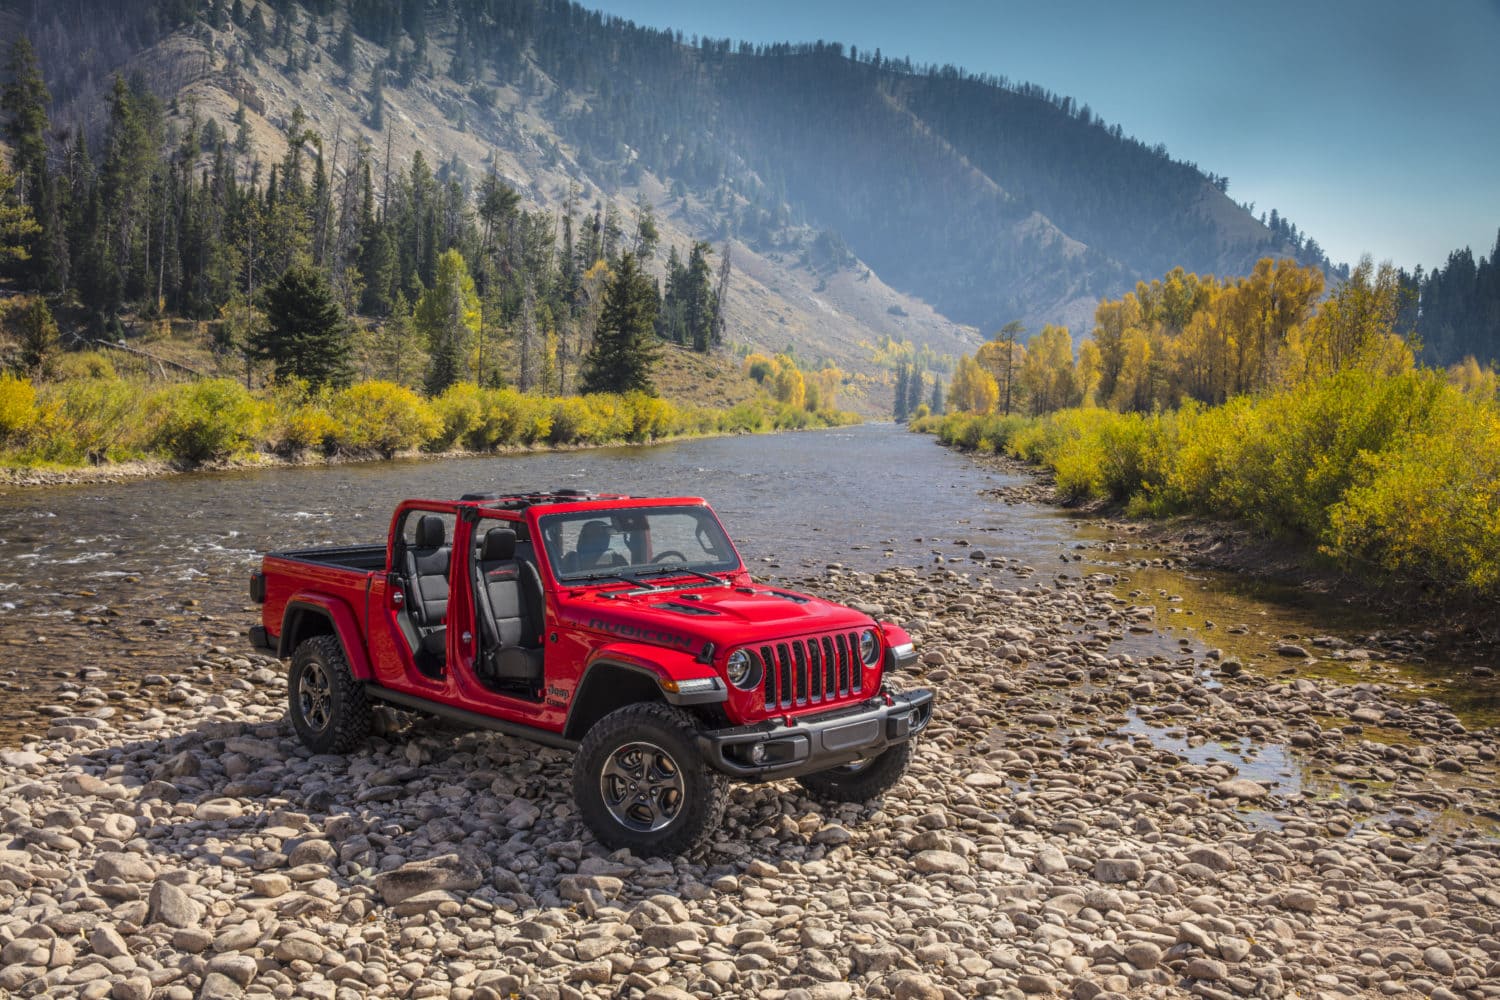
{"x": 685, "y": 609}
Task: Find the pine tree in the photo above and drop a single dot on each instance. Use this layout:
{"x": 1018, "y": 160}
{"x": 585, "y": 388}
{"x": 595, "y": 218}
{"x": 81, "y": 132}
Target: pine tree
{"x": 306, "y": 335}
{"x": 899, "y": 404}
{"x": 376, "y": 118}
{"x": 913, "y": 392}
{"x": 625, "y": 347}
{"x": 17, "y": 227}
{"x": 699, "y": 301}
{"x": 343, "y": 51}
{"x": 720, "y": 301}
{"x": 936, "y": 404}
{"x": 25, "y": 100}
{"x": 36, "y": 334}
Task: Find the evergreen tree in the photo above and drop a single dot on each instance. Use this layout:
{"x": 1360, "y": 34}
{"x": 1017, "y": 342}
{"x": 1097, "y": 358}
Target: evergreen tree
{"x": 914, "y": 389}
{"x": 903, "y": 378}
{"x": 36, "y": 334}
{"x": 306, "y": 335}
{"x": 625, "y": 347}
{"x": 720, "y": 301}
{"x": 699, "y": 306}
{"x": 376, "y": 118}
{"x": 343, "y": 51}
{"x": 936, "y": 403}
{"x": 17, "y": 227}
{"x": 25, "y": 101}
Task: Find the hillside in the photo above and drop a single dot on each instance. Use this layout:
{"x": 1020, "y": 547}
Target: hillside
{"x": 862, "y": 199}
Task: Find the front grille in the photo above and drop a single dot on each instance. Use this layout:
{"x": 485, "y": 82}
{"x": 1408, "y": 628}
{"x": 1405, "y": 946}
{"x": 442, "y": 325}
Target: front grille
{"x": 814, "y": 670}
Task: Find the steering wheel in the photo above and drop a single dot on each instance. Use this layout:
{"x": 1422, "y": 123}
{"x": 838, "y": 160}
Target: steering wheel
{"x": 669, "y": 554}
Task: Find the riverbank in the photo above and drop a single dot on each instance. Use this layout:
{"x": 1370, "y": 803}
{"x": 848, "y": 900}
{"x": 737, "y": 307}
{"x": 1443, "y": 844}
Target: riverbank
{"x": 1077, "y": 821}
{"x": 105, "y": 429}
{"x": 119, "y": 472}
{"x": 1417, "y": 619}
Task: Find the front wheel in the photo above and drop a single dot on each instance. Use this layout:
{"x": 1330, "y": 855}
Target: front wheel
{"x": 860, "y": 780}
{"x": 326, "y": 702}
{"x": 640, "y": 782}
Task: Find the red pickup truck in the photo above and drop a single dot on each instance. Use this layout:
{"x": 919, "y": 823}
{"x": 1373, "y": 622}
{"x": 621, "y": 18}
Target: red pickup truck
{"x": 624, "y": 629}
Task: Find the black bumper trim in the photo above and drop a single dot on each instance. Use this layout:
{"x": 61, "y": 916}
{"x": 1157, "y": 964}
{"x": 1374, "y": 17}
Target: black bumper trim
{"x": 818, "y": 742}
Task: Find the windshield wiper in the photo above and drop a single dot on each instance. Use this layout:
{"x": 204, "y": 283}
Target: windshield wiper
{"x": 677, "y": 569}
{"x": 715, "y": 580}
{"x": 620, "y": 577}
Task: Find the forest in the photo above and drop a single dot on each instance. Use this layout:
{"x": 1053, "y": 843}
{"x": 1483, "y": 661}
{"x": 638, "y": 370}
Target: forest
{"x": 1261, "y": 401}
{"x": 984, "y": 196}
{"x": 313, "y": 276}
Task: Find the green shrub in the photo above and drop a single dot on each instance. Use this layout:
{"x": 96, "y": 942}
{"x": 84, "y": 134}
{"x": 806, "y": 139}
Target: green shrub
{"x": 96, "y": 420}
{"x": 206, "y": 420}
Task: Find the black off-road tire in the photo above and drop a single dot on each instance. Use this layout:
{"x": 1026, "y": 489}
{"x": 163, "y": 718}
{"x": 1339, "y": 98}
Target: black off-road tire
{"x": 327, "y": 704}
{"x": 862, "y": 780}
{"x": 688, "y": 798}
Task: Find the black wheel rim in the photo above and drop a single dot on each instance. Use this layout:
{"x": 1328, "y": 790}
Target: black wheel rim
{"x": 642, "y": 787}
{"x": 315, "y": 697}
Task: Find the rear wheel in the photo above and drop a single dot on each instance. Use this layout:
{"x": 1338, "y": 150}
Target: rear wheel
{"x": 326, "y": 702}
{"x": 640, "y": 783}
{"x": 860, "y": 780}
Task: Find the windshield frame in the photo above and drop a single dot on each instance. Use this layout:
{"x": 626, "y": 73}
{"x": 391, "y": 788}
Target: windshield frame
{"x": 549, "y": 532}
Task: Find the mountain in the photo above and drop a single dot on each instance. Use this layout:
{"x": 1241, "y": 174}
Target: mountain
{"x": 863, "y": 199}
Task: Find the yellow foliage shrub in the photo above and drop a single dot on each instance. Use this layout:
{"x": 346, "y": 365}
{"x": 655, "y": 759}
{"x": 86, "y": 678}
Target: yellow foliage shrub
{"x": 383, "y": 417}
{"x": 18, "y": 411}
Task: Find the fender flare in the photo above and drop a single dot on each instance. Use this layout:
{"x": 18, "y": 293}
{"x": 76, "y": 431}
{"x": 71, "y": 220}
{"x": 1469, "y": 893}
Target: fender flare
{"x": 342, "y": 621}
{"x": 664, "y": 668}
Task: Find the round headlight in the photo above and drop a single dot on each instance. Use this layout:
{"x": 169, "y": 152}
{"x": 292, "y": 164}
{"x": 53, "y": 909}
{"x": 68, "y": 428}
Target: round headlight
{"x": 869, "y": 647}
{"x": 739, "y": 668}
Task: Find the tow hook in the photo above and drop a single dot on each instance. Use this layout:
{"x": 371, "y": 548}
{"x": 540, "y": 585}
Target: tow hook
{"x": 886, "y": 694}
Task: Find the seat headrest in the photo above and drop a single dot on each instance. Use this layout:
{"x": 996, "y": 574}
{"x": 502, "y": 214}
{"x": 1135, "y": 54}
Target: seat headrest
{"x": 431, "y": 531}
{"x": 499, "y": 545}
{"x": 593, "y": 538}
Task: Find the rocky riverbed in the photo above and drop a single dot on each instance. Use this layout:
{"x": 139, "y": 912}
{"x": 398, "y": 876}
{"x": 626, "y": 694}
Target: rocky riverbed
{"x": 1077, "y": 822}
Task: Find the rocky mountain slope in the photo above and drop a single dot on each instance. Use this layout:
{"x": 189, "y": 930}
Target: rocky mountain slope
{"x": 862, "y": 198}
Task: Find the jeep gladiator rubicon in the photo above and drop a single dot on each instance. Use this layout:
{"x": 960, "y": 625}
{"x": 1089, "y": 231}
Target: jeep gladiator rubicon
{"x": 624, "y": 629}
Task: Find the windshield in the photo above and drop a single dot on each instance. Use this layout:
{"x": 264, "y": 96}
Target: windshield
{"x": 630, "y": 544}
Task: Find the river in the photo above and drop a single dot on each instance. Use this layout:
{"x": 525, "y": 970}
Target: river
{"x": 101, "y": 586}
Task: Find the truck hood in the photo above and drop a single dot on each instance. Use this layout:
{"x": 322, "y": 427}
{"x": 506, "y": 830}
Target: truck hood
{"x": 725, "y": 616}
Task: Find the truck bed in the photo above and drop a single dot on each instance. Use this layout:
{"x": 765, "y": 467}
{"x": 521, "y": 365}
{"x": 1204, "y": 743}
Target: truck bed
{"x": 365, "y": 558}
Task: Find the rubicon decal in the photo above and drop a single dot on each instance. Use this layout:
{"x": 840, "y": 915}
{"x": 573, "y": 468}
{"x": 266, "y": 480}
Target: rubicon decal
{"x": 645, "y": 633}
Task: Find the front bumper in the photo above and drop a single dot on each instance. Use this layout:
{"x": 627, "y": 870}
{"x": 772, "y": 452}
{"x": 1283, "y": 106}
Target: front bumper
{"x": 770, "y": 750}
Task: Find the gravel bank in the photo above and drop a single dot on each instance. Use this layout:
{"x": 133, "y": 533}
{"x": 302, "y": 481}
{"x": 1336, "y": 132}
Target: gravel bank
{"x": 1067, "y": 829}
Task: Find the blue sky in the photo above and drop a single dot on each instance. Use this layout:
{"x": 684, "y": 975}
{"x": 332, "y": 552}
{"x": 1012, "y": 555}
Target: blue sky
{"x": 1374, "y": 125}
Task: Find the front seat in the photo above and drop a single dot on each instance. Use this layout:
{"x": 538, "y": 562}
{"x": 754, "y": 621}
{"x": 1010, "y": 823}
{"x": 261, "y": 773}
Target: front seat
{"x": 510, "y": 610}
{"x": 593, "y": 550}
{"x": 427, "y": 560}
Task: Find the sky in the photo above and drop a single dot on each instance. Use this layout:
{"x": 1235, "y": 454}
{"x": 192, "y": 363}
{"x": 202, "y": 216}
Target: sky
{"x": 1373, "y": 125}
